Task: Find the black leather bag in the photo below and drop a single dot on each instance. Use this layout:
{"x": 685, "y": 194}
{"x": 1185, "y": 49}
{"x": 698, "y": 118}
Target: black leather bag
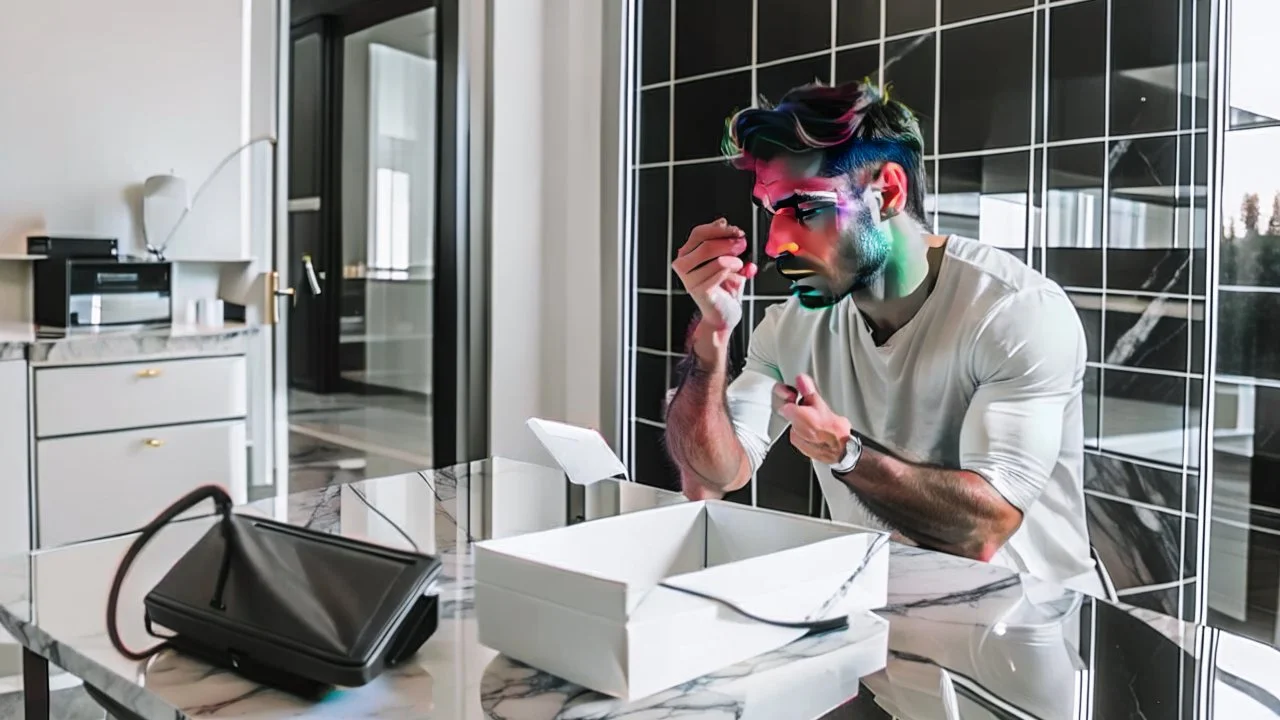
{"x": 284, "y": 606}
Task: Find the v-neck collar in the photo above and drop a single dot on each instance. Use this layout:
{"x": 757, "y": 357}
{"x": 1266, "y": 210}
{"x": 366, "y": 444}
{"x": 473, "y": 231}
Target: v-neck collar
{"x": 867, "y": 334}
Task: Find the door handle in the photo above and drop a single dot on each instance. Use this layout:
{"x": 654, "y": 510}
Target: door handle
{"x": 273, "y": 293}
{"x": 311, "y": 274}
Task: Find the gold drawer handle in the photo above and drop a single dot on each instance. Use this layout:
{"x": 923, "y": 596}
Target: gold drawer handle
{"x": 153, "y": 442}
{"x": 149, "y": 373}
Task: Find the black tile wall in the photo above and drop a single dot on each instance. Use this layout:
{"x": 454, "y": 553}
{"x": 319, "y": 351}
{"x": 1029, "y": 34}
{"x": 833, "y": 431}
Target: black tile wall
{"x": 1164, "y": 600}
{"x": 702, "y": 106}
{"x": 962, "y": 185}
{"x": 773, "y": 81}
{"x": 652, "y": 464}
{"x": 1103, "y": 194}
{"x": 1072, "y": 207}
{"x": 786, "y": 28}
{"x": 655, "y": 111}
{"x": 1139, "y": 546}
{"x": 1144, "y": 415}
{"x": 651, "y": 321}
{"x": 910, "y": 70}
{"x": 986, "y": 85}
{"x": 784, "y": 481}
{"x": 1089, "y": 308}
{"x": 703, "y": 192}
{"x": 1147, "y": 332}
{"x": 655, "y": 42}
{"x": 1077, "y": 70}
{"x": 682, "y": 311}
{"x": 1126, "y": 479}
{"x": 902, "y": 16}
{"x": 1092, "y": 409}
{"x": 651, "y": 386}
{"x": 1144, "y": 35}
{"x": 857, "y": 64}
{"x": 857, "y": 21}
{"x": 652, "y": 260}
{"x": 712, "y": 35}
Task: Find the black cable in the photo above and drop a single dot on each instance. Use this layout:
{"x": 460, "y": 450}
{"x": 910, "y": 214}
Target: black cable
{"x": 185, "y": 503}
{"x": 399, "y": 529}
{"x": 813, "y": 626}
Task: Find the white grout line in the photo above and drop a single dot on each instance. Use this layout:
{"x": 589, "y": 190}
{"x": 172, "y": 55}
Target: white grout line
{"x": 880, "y": 43}
{"x": 986, "y": 152}
{"x": 1247, "y": 381}
{"x": 1249, "y": 289}
{"x": 650, "y": 423}
{"x": 1152, "y": 588}
{"x": 1142, "y": 462}
{"x": 1136, "y": 503}
{"x": 1144, "y": 370}
{"x": 937, "y": 27}
{"x": 1076, "y": 289}
{"x": 1106, "y": 212}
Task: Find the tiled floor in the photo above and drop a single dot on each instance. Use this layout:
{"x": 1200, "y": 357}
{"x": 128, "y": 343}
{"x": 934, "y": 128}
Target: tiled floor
{"x": 332, "y": 440}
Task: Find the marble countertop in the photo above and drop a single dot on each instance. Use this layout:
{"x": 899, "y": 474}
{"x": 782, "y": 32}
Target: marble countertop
{"x": 993, "y": 643}
{"x": 57, "y": 346}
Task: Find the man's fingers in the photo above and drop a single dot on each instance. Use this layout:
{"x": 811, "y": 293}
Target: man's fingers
{"x": 785, "y": 393}
{"x": 711, "y": 274}
{"x": 710, "y": 231}
{"x": 806, "y": 385}
{"x": 707, "y": 252}
{"x": 808, "y": 390}
{"x": 799, "y": 416}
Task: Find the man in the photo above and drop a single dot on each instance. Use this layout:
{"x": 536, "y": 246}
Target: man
{"x": 935, "y": 382}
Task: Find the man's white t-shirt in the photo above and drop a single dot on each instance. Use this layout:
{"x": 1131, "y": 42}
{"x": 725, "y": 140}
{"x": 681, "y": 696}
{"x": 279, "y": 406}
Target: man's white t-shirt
{"x": 986, "y": 377}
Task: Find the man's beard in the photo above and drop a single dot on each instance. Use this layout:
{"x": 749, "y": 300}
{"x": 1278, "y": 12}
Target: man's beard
{"x": 860, "y": 261}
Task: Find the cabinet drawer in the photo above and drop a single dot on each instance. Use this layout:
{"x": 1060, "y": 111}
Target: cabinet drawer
{"x": 89, "y": 486}
{"x": 93, "y": 398}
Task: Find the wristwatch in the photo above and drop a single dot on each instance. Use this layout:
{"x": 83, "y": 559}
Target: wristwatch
{"x": 852, "y": 453}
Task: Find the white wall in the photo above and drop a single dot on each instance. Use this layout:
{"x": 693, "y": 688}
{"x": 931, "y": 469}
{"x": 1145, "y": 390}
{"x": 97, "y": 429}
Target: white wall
{"x": 544, "y": 205}
{"x": 100, "y": 95}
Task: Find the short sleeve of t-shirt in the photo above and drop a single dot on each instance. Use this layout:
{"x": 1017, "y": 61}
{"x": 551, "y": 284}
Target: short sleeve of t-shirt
{"x": 1028, "y": 364}
{"x": 750, "y": 395}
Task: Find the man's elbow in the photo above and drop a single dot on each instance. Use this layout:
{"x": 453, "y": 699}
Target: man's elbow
{"x": 1003, "y": 522}
{"x": 697, "y": 488}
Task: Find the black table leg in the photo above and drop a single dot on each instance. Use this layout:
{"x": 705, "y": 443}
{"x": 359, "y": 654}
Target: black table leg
{"x": 35, "y": 686}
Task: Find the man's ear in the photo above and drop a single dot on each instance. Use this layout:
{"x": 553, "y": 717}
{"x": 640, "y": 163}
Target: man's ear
{"x": 892, "y": 183}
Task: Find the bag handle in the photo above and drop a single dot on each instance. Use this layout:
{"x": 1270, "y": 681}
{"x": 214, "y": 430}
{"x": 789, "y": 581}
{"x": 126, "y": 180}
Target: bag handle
{"x": 206, "y": 492}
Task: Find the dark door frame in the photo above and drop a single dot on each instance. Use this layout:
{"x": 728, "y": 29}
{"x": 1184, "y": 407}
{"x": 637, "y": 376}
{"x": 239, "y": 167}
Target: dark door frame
{"x": 328, "y": 260}
{"x": 459, "y": 402}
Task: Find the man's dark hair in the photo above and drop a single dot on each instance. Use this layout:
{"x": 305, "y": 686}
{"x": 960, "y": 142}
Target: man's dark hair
{"x": 852, "y": 125}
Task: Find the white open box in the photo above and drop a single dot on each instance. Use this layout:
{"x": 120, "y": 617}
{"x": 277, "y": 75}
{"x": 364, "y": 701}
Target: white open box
{"x": 583, "y": 602}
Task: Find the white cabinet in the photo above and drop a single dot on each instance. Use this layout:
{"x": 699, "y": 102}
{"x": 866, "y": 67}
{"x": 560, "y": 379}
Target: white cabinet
{"x": 107, "y": 483}
{"x": 95, "y": 398}
{"x": 14, "y": 442}
{"x": 118, "y": 442}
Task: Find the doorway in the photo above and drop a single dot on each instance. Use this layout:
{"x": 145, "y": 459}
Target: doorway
{"x": 364, "y": 242}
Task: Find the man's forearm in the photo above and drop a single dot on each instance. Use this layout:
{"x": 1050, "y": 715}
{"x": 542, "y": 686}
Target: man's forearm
{"x": 699, "y": 434}
{"x": 955, "y": 511}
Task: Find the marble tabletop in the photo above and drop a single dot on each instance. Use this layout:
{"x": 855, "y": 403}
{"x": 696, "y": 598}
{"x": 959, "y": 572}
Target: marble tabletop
{"x": 71, "y": 346}
{"x": 963, "y": 639}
